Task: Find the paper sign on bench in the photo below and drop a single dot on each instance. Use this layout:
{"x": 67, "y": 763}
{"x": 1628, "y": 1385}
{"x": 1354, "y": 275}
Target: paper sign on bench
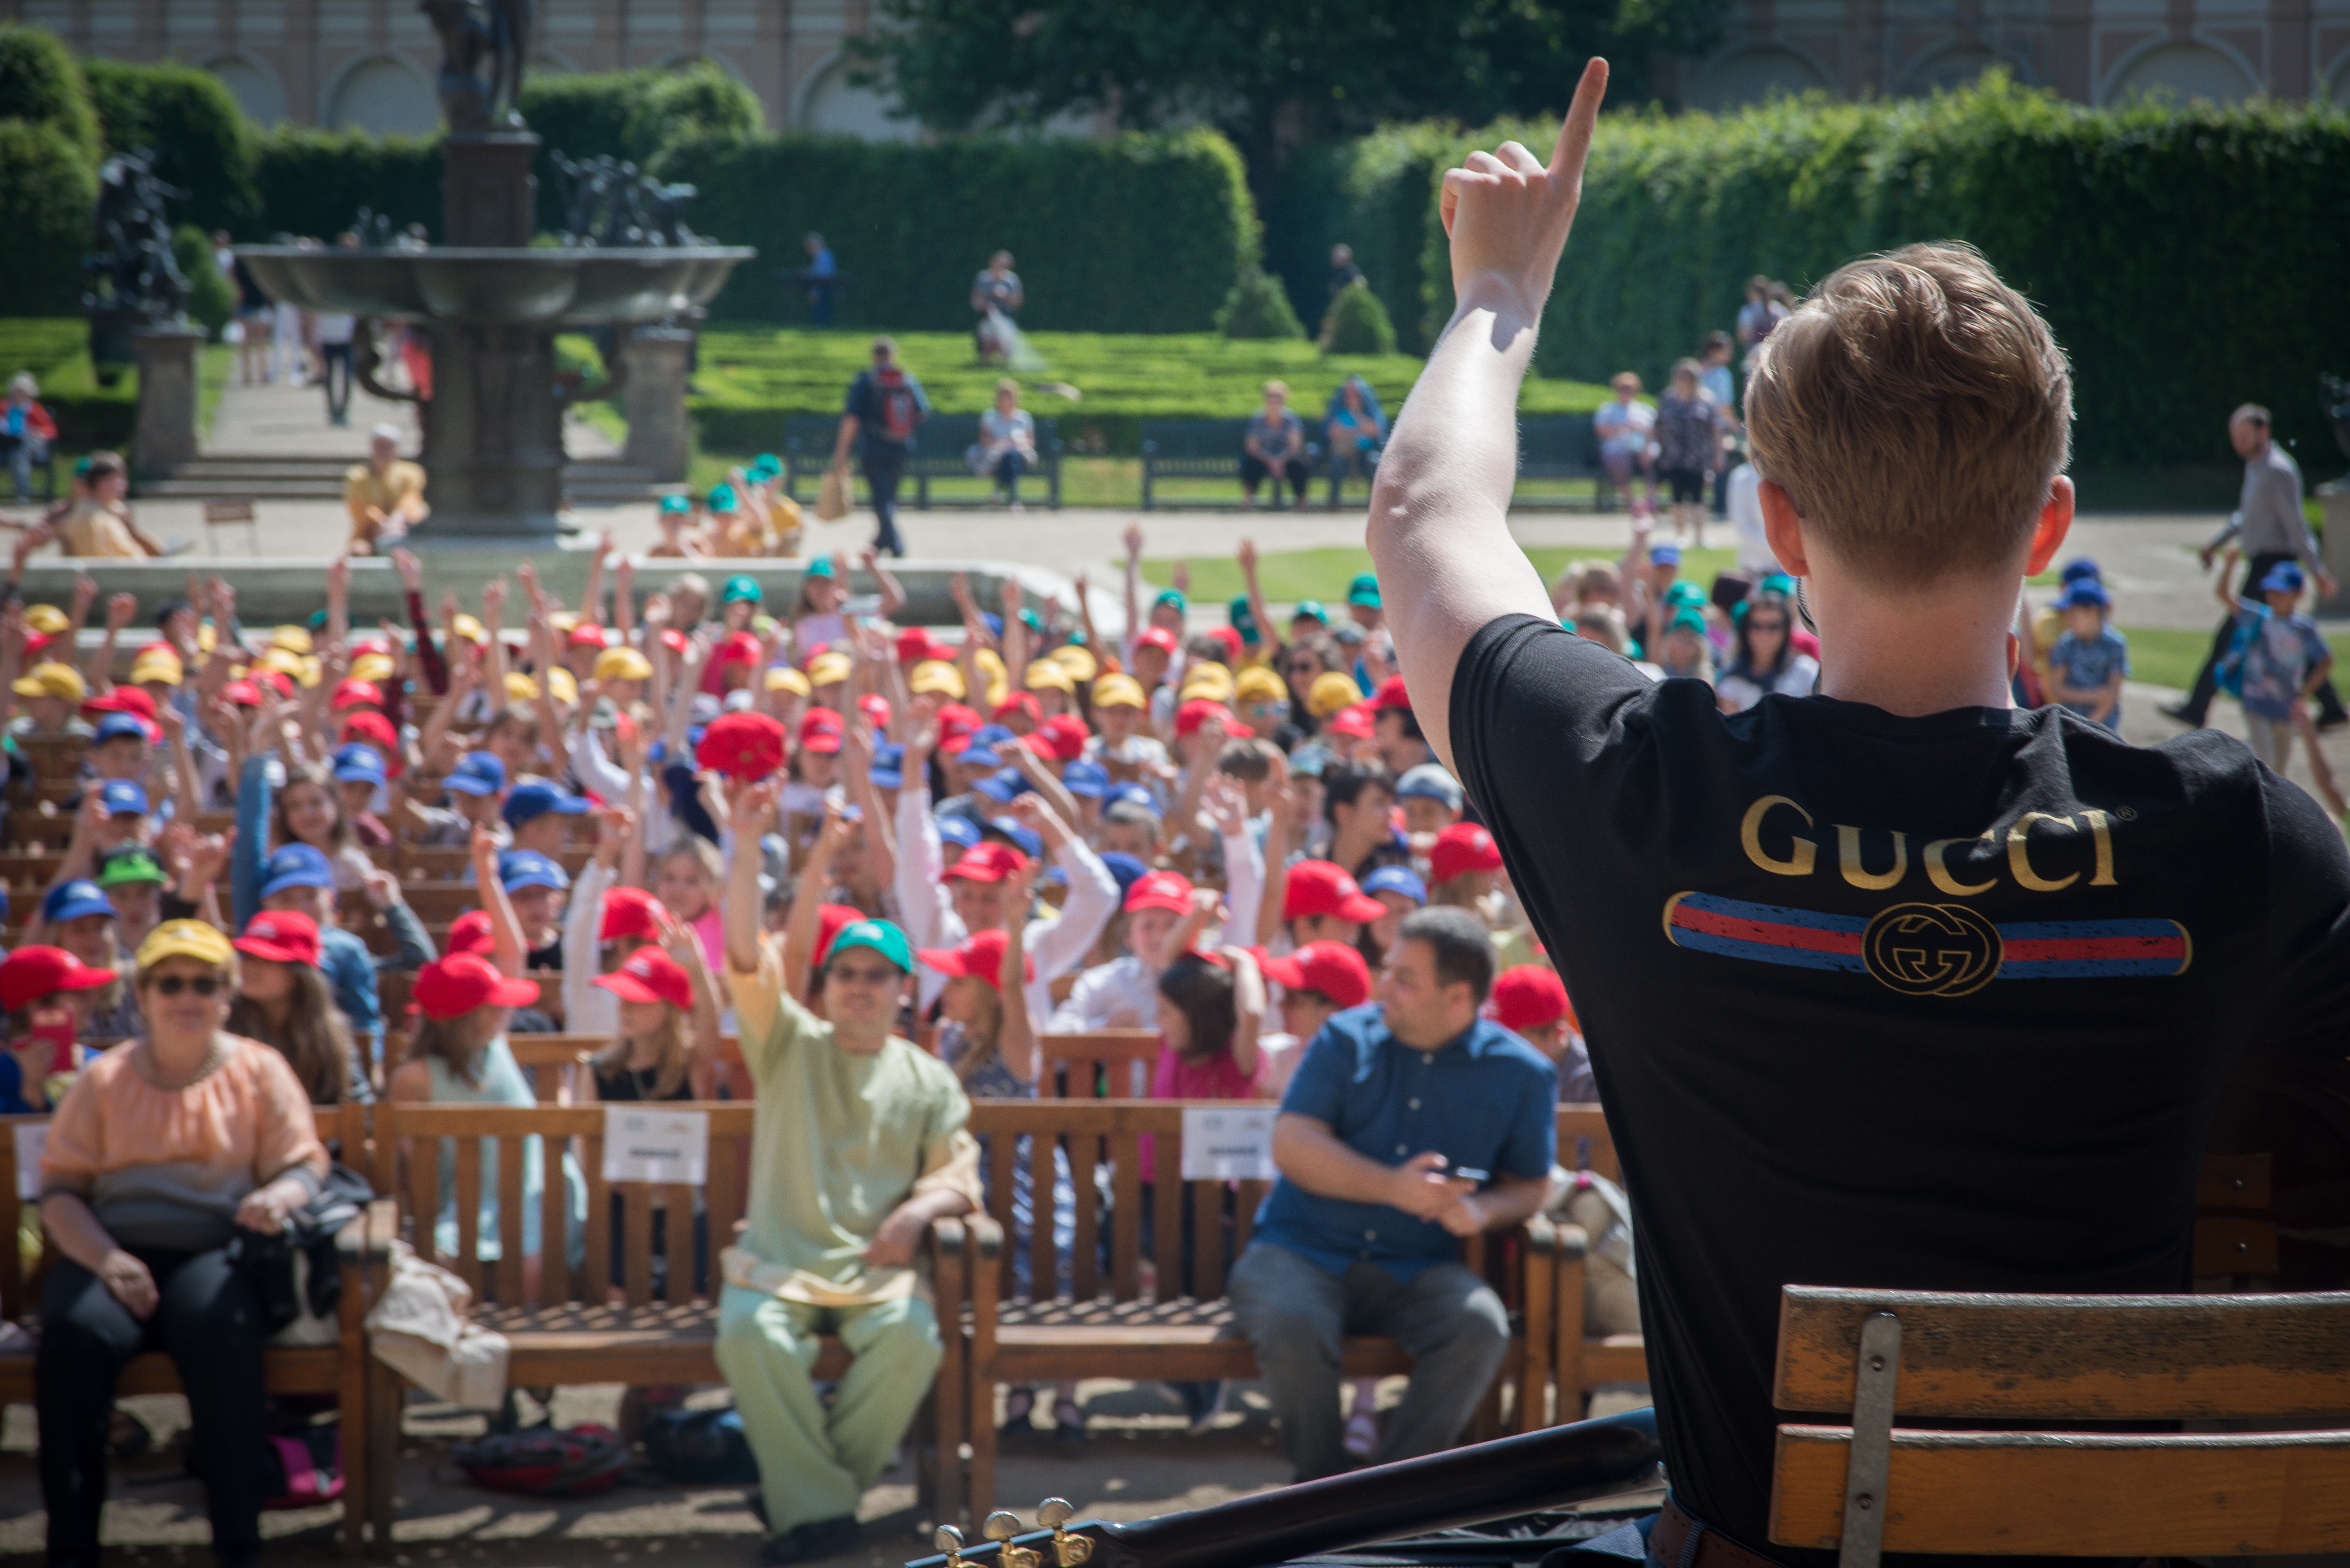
{"x": 1233, "y": 1144}
{"x": 642, "y": 1145}
{"x": 31, "y": 1138}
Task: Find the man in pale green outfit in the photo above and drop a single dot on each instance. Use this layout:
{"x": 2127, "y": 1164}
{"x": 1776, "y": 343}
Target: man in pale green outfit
{"x": 860, "y": 1143}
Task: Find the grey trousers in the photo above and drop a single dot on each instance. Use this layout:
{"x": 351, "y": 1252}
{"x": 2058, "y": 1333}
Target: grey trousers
{"x": 1296, "y": 1314}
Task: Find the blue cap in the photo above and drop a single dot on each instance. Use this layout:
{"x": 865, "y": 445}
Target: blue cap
{"x": 1087, "y": 780}
{"x": 296, "y": 865}
{"x": 72, "y": 901}
{"x": 1127, "y": 868}
{"x": 979, "y": 756}
{"x": 359, "y": 764}
{"x": 1138, "y": 793}
{"x": 2081, "y": 566}
{"x": 962, "y": 830}
{"x": 2086, "y": 594}
{"x": 528, "y": 868}
{"x": 994, "y": 622}
{"x": 1021, "y": 833}
{"x": 1396, "y": 879}
{"x": 478, "y": 773}
{"x": 1002, "y": 788}
{"x": 994, "y": 735}
{"x": 114, "y": 726}
{"x": 2284, "y": 577}
{"x": 536, "y": 799}
{"x": 888, "y": 769}
{"x": 1667, "y": 554}
{"x": 121, "y": 797}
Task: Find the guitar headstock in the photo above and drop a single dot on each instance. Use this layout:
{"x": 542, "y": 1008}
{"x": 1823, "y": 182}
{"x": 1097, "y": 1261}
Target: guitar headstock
{"x": 1056, "y": 1545}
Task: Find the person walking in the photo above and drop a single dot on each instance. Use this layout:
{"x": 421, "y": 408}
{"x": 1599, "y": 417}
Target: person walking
{"x": 822, "y": 269}
{"x": 2269, "y": 527}
{"x": 885, "y": 404}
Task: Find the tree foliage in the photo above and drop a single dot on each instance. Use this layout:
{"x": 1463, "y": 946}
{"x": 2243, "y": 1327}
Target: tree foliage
{"x": 40, "y": 85}
{"x": 1272, "y": 73}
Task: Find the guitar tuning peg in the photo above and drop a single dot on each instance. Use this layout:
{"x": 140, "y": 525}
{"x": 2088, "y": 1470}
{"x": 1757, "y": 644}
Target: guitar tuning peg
{"x": 1055, "y": 1512}
{"x": 1002, "y": 1526}
{"x": 1069, "y": 1550}
{"x": 949, "y": 1539}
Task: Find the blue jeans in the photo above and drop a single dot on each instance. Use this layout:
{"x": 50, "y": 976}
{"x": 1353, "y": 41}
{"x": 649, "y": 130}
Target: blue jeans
{"x": 25, "y": 451}
{"x": 1008, "y": 469}
{"x": 884, "y": 467}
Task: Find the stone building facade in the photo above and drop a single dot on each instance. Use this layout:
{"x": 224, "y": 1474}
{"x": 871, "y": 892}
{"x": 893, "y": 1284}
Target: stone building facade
{"x": 369, "y": 64}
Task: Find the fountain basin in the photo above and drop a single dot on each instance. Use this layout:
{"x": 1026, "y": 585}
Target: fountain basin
{"x": 528, "y": 287}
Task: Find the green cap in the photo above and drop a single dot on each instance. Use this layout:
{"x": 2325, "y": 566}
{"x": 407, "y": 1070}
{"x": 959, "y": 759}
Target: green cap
{"x": 741, "y": 587}
{"x": 882, "y": 936}
{"x": 1170, "y": 597}
{"x": 128, "y": 865}
{"x": 820, "y": 568}
{"x": 1243, "y": 618}
{"x": 677, "y": 503}
{"x": 1032, "y": 621}
{"x": 1364, "y": 591}
{"x": 1685, "y": 592}
{"x": 1310, "y": 607}
{"x": 722, "y": 498}
{"x": 1688, "y": 620}
{"x": 1777, "y": 583}
{"x": 770, "y": 461}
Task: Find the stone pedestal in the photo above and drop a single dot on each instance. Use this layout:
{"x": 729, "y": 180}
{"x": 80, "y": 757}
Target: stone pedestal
{"x": 653, "y": 401}
{"x": 166, "y": 357}
{"x": 493, "y": 432}
{"x": 489, "y": 197}
{"x": 2334, "y": 499}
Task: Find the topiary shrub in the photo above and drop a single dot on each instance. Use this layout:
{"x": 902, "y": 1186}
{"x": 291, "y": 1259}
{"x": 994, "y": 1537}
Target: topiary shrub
{"x": 1358, "y": 323}
{"x": 48, "y": 192}
{"x": 1258, "y": 306}
{"x": 212, "y": 298}
{"x": 41, "y": 84}
{"x": 202, "y": 143}
{"x": 700, "y": 103}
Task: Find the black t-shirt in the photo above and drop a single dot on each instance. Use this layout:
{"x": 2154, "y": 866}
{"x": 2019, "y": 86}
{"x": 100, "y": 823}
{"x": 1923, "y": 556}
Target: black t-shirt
{"x": 1935, "y": 1003}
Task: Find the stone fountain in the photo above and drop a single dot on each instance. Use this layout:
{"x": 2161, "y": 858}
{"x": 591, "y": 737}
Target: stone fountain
{"x": 491, "y": 303}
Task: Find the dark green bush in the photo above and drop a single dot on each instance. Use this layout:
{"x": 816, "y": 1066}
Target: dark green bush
{"x": 1129, "y": 233}
{"x": 212, "y": 298}
{"x": 1257, "y": 307}
{"x": 1358, "y": 324}
{"x": 1372, "y": 194}
{"x": 47, "y": 193}
{"x": 314, "y": 182}
{"x": 631, "y": 115}
{"x": 202, "y": 143}
{"x": 40, "y": 84}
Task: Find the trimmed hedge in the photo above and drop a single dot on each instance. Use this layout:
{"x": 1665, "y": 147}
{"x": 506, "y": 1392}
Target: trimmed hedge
{"x": 202, "y": 143}
{"x": 631, "y": 115}
{"x": 314, "y": 182}
{"x": 1130, "y": 233}
{"x": 2189, "y": 259}
{"x": 48, "y": 192}
{"x": 40, "y": 85}
{"x": 1371, "y": 193}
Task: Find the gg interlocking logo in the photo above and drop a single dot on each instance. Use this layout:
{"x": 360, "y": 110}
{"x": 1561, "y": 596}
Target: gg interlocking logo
{"x": 1932, "y": 949}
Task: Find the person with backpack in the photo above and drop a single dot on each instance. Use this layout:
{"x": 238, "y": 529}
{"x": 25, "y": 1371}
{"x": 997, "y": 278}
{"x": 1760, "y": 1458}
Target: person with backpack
{"x": 886, "y": 405}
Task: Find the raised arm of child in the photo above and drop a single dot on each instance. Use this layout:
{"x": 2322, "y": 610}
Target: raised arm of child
{"x": 678, "y": 941}
{"x": 1248, "y": 1010}
{"x": 1016, "y": 1043}
{"x": 1265, "y": 627}
{"x": 815, "y": 879}
{"x": 506, "y": 949}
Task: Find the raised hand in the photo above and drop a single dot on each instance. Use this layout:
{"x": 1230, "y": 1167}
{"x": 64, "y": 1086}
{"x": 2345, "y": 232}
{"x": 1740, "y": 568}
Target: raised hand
{"x": 1227, "y": 805}
{"x": 1181, "y": 577}
{"x": 493, "y": 601}
{"x": 757, "y": 810}
{"x": 85, "y": 593}
{"x": 410, "y": 570}
{"x": 119, "y": 609}
{"x": 1012, "y": 598}
{"x": 1132, "y": 536}
{"x": 1508, "y": 215}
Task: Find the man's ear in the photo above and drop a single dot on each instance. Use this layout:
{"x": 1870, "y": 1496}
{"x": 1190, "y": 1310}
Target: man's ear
{"x": 2055, "y": 522}
{"x": 1784, "y": 530}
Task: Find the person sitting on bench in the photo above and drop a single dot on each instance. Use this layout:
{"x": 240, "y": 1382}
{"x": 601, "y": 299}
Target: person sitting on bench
{"x": 832, "y": 1248}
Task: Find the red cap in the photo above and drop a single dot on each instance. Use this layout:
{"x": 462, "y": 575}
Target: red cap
{"x": 30, "y": 973}
{"x": 455, "y": 986}
{"x": 1191, "y": 715}
{"x": 125, "y": 699}
{"x": 1319, "y": 888}
{"x": 35, "y": 642}
{"x": 990, "y": 862}
{"x": 876, "y": 707}
{"x": 1157, "y": 637}
{"x": 1528, "y": 997}
{"x": 470, "y": 933}
{"x": 915, "y": 646}
{"x": 1017, "y": 704}
{"x": 1333, "y": 969}
{"x": 587, "y": 634}
{"x": 244, "y": 693}
{"x": 1390, "y": 694}
{"x": 355, "y": 694}
{"x": 281, "y": 936}
{"x": 957, "y": 724}
{"x": 672, "y": 640}
{"x": 629, "y": 912}
{"x": 738, "y": 648}
{"x": 979, "y": 956}
{"x": 1160, "y": 890}
{"x": 1354, "y": 722}
{"x": 377, "y": 731}
{"x": 283, "y": 682}
{"x": 831, "y": 920}
{"x": 1460, "y": 849}
{"x": 820, "y": 731}
{"x": 1230, "y": 639}
{"x": 745, "y": 745}
{"x": 1061, "y": 737}
{"x": 651, "y": 975}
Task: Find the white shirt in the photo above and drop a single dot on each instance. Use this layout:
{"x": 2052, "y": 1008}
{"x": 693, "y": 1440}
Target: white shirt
{"x": 1801, "y": 674}
{"x": 1623, "y": 427}
{"x": 588, "y": 1008}
{"x": 333, "y": 327}
{"x": 1746, "y": 516}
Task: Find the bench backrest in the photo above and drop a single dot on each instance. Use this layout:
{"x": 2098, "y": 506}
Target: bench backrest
{"x": 420, "y": 864}
{"x": 1556, "y": 441}
{"x": 1110, "y": 1063}
{"x": 1194, "y": 439}
{"x": 1867, "y": 1487}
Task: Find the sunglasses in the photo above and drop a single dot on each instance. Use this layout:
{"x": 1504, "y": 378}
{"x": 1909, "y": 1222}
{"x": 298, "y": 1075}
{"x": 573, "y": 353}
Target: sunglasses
{"x": 1766, "y": 625}
{"x": 173, "y": 984}
{"x": 848, "y": 975}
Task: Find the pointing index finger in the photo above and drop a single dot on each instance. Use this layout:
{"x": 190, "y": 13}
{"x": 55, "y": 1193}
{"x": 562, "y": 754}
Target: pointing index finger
{"x": 1582, "y": 115}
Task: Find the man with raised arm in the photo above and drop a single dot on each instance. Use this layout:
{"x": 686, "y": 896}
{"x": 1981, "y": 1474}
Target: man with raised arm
{"x": 858, "y": 1146}
{"x": 1896, "y": 985}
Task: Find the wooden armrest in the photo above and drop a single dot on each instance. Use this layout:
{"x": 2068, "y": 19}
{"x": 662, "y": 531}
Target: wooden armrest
{"x": 946, "y": 1236}
{"x": 986, "y": 1236}
{"x": 369, "y": 1234}
{"x": 1571, "y": 1242}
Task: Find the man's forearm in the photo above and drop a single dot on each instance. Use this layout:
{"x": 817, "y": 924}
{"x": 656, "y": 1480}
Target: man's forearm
{"x": 1310, "y": 1155}
{"x": 1512, "y": 1200}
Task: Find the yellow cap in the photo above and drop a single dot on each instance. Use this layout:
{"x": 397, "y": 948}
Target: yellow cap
{"x": 466, "y": 627}
{"x": 936, "y": 675}
{"x": 1079, "y": 662}
{"x": 623, "y": 664}
{"x": 185, "y": 939}
{"x": 563, "y": 684}
{"x": 999, "y": 692}
{"x": 371, "y": 666}
{"x": 1330, "y": 692}
{"x": 783, "y": 678}
{"x": 827, "y": 668}
{"x": 519, "y": 688}
{"x": 563, "y": 621}
{"x": 47, "y": 620}
{"x": 162, "y": 671}
{"x": 51, "y": 680}
{"x": 1117, "y": 692}
{"x": 1045, "y": 674}
{"x": 1258, "y": 684}
{"x": 206, "y": 637}
{"x": 990, "y": 665}
{"x": 1211, "y": 682}
{"x": 293, "y": 638}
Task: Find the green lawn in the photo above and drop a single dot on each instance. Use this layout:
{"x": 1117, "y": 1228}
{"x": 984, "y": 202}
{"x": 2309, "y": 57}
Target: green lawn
{"x": 55, "y": 350}
{"x": 1289, "y": 576}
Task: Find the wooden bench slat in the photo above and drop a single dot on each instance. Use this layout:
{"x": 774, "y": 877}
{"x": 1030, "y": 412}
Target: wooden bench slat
{"x": 2235, "y": 1181}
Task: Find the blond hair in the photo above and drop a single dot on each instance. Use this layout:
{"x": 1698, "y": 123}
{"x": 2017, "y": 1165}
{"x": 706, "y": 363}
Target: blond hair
{"x": 1915, "y": 409}
{"x": 675, "y": 1043}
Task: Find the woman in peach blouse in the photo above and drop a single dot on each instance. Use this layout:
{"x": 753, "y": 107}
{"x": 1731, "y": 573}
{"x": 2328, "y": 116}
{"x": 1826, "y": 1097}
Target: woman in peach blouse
{"x": 162, "y": 1149}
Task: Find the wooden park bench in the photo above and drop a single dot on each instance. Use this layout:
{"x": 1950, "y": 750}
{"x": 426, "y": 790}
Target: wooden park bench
{"x": 340, "y": 1369}
{"x": 1870, "y": 1487}
{"x": 1202, "y": 449}
{"x": 1110, "y": 1326}
{"x": 1562, "y": 446}
{"x": 940, "y": 450}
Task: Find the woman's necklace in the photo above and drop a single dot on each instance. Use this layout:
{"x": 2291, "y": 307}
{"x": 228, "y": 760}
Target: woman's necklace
{"x": 152, "y": 1070}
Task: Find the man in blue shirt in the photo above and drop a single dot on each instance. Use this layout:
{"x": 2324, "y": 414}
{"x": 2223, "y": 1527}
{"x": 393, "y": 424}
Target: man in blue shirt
{"x": 885, "y": 405}
{"x": 1362, "y": 1233}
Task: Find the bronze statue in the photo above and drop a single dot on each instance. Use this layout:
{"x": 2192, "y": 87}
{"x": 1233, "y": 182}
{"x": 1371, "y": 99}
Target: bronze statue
{"x": 607, "y": 202}
{"x": 474, "y": 32}
{"x": 132, "y": 277}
